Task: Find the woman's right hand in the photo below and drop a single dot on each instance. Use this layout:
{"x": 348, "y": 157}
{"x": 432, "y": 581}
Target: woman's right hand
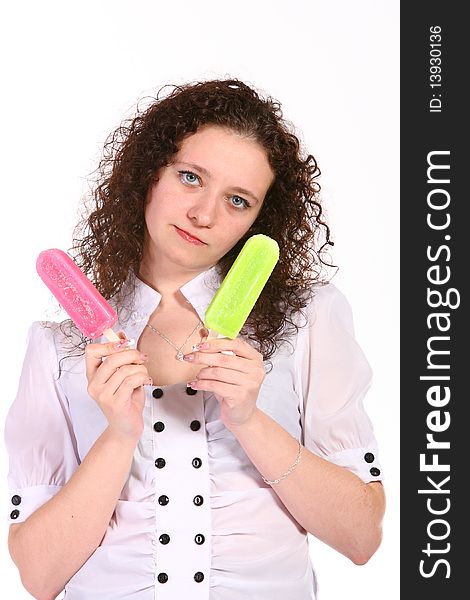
{"x": 116, "y": 384}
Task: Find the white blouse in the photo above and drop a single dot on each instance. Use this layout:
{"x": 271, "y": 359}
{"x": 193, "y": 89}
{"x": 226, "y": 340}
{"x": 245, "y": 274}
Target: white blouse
{"x": 195, "y": 519}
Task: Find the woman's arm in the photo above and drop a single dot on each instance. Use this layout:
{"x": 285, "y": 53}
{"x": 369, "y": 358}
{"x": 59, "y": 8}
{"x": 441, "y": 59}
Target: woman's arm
{"x": 57, "y": 539}
{"x": 329, "y": 501}
{"x": 51, "y": 545}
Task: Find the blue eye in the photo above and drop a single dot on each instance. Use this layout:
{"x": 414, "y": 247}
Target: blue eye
{"x": 189, "y": 177}
{"x": 239, "y": 202}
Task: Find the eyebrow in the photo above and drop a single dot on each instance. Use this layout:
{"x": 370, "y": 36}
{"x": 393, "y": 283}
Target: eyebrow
{"x": 205, "y": 172}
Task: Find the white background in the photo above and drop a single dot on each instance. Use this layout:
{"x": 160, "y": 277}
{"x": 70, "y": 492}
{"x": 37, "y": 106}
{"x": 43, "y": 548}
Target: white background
{"x": 72, "y": 70}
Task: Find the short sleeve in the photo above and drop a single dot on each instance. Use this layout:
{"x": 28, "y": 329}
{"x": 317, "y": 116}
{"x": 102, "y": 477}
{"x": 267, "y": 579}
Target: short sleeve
{"x": 334, "y": 379}
{"x": 38, "y": 431}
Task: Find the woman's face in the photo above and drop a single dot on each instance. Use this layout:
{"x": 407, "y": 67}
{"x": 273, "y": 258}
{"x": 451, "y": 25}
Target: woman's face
{"x": 205, "y": 200}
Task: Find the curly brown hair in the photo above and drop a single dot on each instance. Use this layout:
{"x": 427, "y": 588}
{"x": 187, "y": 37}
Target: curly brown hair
{"x": 110, "y": 238}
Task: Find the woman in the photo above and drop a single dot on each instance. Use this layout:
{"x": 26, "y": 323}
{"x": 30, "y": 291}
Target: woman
{"x": 135, "y": 474}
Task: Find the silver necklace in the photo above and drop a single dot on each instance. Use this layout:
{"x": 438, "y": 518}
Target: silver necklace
{"x": 179, "y": 351}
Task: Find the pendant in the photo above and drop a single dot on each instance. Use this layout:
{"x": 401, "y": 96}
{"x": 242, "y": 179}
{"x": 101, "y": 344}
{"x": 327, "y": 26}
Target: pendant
{"x": 180, "y": 356}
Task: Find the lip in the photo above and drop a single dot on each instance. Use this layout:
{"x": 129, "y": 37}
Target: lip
{"x": 189, "y": 237}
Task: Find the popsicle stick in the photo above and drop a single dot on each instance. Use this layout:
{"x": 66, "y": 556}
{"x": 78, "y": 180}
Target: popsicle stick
{"x": 111, "y": 335}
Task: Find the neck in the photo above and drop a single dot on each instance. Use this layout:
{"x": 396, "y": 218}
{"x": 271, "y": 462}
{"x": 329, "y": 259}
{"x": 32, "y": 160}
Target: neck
{"x": 165, "y": 277}
{"x": 167, "y": 284}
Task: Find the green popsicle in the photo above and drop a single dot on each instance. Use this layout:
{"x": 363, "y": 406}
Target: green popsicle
{"x": 239, "y": 291}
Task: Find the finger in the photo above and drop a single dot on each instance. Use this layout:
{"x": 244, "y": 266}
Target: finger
{"x": 224, "y": 390}
{"x": 118, "y": 361}
{"x": 238, "y": 346}
{"x": 222, "y": 375}
{"x": 95, "y": 353}
{"x": 105, "y": 391}
{"x": 127, "y": 372}
{"x": 218, "y": 359}
{"x": 129, "y": 384}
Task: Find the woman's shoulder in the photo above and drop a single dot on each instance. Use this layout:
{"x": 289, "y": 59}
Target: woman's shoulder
{"x": 326, "y": 291}
{"x": 325, "y": 299}
{"x": 54, "y": 337}
{"x": 325, "y": 304}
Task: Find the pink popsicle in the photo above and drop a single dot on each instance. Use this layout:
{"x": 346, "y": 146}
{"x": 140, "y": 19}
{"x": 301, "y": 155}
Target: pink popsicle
{"x": 87, "y": 308}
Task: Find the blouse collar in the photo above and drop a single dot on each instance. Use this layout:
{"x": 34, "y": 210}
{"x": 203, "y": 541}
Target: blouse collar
{"x": 137, "y": 300}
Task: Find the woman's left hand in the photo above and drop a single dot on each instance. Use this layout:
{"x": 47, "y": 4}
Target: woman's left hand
{"x": 235, "y": 380}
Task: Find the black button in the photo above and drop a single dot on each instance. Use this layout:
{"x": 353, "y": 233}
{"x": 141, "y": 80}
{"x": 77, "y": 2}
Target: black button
{"x": 369, "y": 457}
{"x": 16, "y": 500}
{"x": 160, "y": 463}
{"x": 195, "y": 425}
{"x": 159, "y": 426}
{"x": 196, "y": 462}
{"x": 375, "y": 472}
{"x": 163, "y": 500}
{"x": 199, "y": 576}
{"x": 14, "y": 514}
{"x": 198, "y": 500}
{"x": 164, "y": 538}
{"x": 157, "y": 393}
{"x": 162, "y": 577}
{"x": 190, "y": 391}
{"x": 199, "y": 539}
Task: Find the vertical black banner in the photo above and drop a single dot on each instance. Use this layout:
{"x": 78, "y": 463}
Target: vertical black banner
{"x": 435, "y": 358}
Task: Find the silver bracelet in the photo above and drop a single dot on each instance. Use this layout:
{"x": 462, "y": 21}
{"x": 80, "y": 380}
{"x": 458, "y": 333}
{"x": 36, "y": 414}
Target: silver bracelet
{"x": 289, "y": 470}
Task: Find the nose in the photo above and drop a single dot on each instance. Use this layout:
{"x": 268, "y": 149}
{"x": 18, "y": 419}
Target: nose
{"x": 203, "y": 210}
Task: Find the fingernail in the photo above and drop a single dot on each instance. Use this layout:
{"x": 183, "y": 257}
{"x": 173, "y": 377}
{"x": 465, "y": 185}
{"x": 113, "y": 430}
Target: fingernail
{"x": 144, "y": 356}
{"x": 122, "y": 344}
{"x": 202, "y": 346}
{"x": 191, "y": 384}
{"x": 188, "y": 357}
